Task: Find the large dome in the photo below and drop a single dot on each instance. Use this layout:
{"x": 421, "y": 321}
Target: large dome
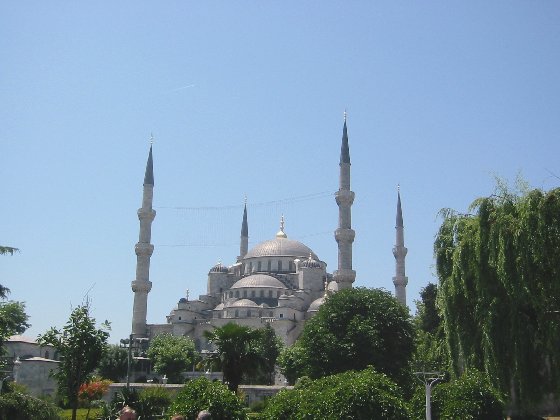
{"x": 258, "y": 280}
{"x": 281, "y": 247}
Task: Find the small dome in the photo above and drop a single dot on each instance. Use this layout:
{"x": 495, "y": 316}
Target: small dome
{"x": 310, "y": 263}
{"x": 242, "y": 303}
{"x": 258, "y": 280}
{"x": 314, "y": 307}
{"x": 219, "y": 268}
{"x": 183, "y": 300}
{"x": 219, "y": 307}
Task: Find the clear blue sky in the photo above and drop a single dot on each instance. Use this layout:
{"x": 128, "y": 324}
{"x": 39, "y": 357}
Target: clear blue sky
{"x": 246, "y": 98}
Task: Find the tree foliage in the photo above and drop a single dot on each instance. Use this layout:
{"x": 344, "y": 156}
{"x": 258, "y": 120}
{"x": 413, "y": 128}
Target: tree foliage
{"x": 171, "y": 355}
{"x": 469, "y": 397}
{"x": 5, "y": 250}
{"x": 20, "y": 406}
{"x": 349, "y": 395}
{"x": 202, "y": 394}
{"x": 354, "y": 328}
{"x": 13, "y": 319}
{"x": 80, "y": 345}
{"x": 500, "y": 290}
{"x": 114, "y": 363}
{"x": 431, "y": 350}
{"x": 244, "y": 352}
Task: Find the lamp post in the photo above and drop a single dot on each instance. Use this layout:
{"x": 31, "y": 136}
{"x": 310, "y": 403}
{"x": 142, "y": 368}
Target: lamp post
{"x": 429, "y": 379}
{"x": 128, "y": 342}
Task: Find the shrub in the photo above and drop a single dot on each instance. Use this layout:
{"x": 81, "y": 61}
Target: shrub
{"x": 18, "y": 406}
{"x": 356, "y": 395}
{"x": 202, "y": 394}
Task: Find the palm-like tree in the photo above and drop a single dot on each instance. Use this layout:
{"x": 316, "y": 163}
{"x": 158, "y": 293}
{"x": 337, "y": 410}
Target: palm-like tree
{"x": 7, "y": 250}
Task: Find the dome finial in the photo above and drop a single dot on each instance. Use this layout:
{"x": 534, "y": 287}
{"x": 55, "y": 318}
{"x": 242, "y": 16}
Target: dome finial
{"x": 281, "y": 233}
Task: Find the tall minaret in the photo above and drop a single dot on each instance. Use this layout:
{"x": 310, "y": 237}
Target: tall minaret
{"x": 344, "y": 235}
{"x": 244, "y": 245}
{"x": 399, "y": 251}
{"x": 144, "y": 249}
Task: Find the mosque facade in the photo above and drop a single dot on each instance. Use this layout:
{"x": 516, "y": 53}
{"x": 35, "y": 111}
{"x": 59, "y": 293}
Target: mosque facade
{"x": 279, "y": 281}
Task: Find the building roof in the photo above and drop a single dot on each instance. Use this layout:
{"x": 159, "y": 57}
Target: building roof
{"x": 22, "y": 339}
{"x": 243, "y": 303}
{"x": 280, "y": 247}
{"x": 259, "y": 280}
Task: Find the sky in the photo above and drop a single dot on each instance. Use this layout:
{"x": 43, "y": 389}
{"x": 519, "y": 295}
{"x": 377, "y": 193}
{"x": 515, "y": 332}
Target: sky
{"x": 246, "y": 99}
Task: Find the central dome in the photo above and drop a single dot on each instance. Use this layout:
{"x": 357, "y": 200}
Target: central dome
{"x": 258, "y": 280}
{"x": 280, "y": 247}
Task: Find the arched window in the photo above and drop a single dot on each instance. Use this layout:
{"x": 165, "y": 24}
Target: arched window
{"x": 279, "y": 265}
{"x": 253, "y": 293}
{"x": 244, "y": 293}
{"x": 262, "y": 293}
{"x": 270, "y": 293}
{"x": 248, "y": 313}
{"x": 259, "y": 266}
{"x": 237, "y": 293}
{"x": 237, "y": 313}
{"x": 269, "y": 265}
{"x": 47, "y": 354}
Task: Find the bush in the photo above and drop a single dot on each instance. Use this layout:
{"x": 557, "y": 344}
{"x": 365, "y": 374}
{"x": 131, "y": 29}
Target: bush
{"x": 202, "y": 394}
{"x": 18, "y": 406}
{"x": 153, "y": 402}
{"x": 349, "y": 395}
{"x": 470, "y": 397}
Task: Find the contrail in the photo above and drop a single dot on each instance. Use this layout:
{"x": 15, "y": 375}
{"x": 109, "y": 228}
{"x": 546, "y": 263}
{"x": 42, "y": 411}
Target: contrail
{"x": 181, "y": 88}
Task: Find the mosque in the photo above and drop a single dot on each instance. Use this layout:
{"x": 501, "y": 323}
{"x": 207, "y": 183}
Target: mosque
{"x": 279, "y": 281}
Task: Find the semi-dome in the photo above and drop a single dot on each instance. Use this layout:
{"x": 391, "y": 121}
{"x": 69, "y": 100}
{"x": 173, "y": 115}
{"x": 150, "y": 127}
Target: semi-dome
{"x": 310, "y": 263}
{"x": 243, "y": 303}
{"x": 219, "y": 268}
{"x": 258, "y": 280}
{"x": 280, "y": 247}
{"x": 219, "y": 307}
{"x": 316, "y": 304}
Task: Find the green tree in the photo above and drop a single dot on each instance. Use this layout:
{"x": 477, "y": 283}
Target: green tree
{"x": 4, "y": 250}
{"x": 13, "y": 319}
{"x": 114, "y": 363}
{"x": 431, "y": 350}
{"x": 268, "y": 347}
{"x": 237, "y": 352}
{"x": 202, "y": 394}
{"x": 499, "y": 290}
{"x": 19, "y": 406}
{"x": 80, "y": 345}
{"x": 171, "y": 355}
{"x": 350, "y": 395}
{"x": 355, "y": 328}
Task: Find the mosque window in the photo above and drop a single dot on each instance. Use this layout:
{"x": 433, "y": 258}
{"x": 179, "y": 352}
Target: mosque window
{"x": 252, "y": 293}
{"x": 262, "y": 293}
{"x": 237, "y": 293}
{"x": 179, "y": 318}
{"x": 230, "y": 294}
{"x": 237, "y": 313}
{"x": 292, "y": 266}
{"x": 270, "y": 314}
{"x": 270, "y": 293}
{"x": 269, "y": 265}
{"x": 250, "y": 267}
{"x": 279, "y": 265}
{"x": 248, "y": 313}
{"x": 47, "y": 354}
{"x": 259, "y": 266}
{"x": 244, "y": 293}
{"x": 278, "y": 294}
{"x": 281, "y": 315}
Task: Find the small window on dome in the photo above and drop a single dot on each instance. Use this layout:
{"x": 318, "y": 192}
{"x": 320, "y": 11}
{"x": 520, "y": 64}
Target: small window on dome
{"x": 262, "y": 293}
{"x": 237, "y": 293}
{"x": 279, "y": 265}
{"x": 259, "y": 266}
{"x": 237, "y": 313}
{"x": 281, "y": 315}
{"x": 248, "y": 313}
{"x": 269, "y": 265}
{"x": 253, "y": 293}
{"x": 244, "y": 293}
{"x": 270, "y": 293}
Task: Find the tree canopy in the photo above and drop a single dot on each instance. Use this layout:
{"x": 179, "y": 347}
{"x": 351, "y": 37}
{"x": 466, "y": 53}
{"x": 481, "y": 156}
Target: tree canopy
{"x": 13, "y": 319}
{"x": 171, "y": 355}
{"x": 80, "y": 345}
{"x": 499, "y": 291}
{"x": 245, "y": 353}
{"x": 354, "y": 328}
{"x": 114, "y": 363}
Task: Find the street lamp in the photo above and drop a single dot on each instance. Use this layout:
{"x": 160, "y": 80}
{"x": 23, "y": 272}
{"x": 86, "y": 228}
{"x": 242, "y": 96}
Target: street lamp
{"x": 129, "y": 341}
{"x": 429, "y": 379}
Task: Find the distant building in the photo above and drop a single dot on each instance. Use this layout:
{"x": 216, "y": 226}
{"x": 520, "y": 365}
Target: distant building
{"x": 31, "y": 364}
{"x": 279, "y": 281}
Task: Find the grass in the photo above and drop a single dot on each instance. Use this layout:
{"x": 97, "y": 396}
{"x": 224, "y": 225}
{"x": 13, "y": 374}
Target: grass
{"x": 80, "y": 414}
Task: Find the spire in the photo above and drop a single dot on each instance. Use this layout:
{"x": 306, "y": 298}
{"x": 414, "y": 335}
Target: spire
{"x": 149, "y": 176}
{"x": 344, "y": 149}
{"x": 399, "y": 209}
{"x": 244, "y": 225}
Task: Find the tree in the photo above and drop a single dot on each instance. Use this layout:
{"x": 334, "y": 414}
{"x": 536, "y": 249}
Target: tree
{"x": 19, "y": 406}
{"x": 13, "y": 319}
{"x": 171, "y": 355}
{"x": 202, "y": 394}
{"x": 431, "y": 350}
{"x": 268, "y": 347}
{"x": 500, "y": 291}
{"x": 236, "y": 351}
{"x": 114, "y": 363}
{"x": 4, "y": 250}
{"x": 81, "y": 346}
{"x": 350, "y": 395}
{"x": 355, "y": 328}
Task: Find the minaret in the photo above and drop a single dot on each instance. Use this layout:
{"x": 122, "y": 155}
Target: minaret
{"x": 344, "y": 235}
{"x": 144, "y": 249}
{"x": 244, "y": 245}
{"x": 399, "y": 251}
